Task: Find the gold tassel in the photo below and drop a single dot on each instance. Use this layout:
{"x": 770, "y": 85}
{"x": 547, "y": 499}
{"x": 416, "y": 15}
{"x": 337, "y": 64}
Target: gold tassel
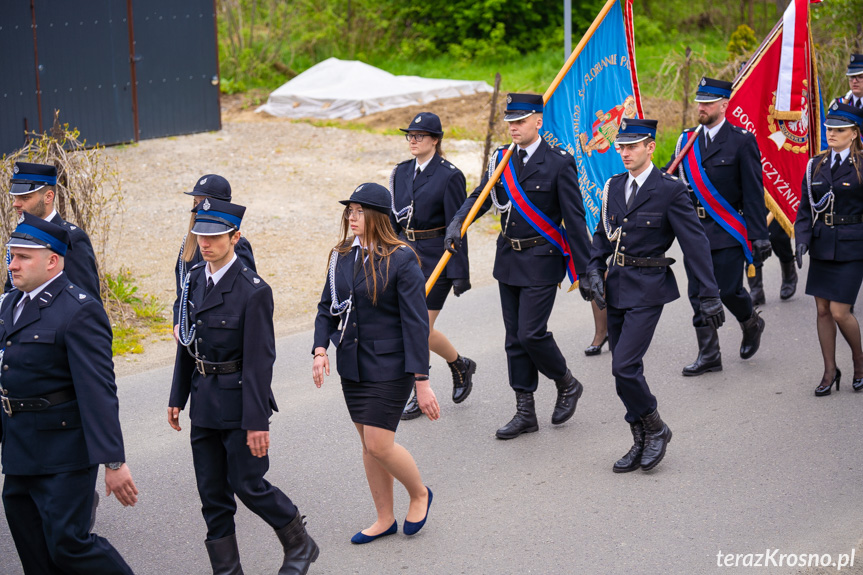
{"x": 574, "y": 286}
{"x": 750, "y": 272}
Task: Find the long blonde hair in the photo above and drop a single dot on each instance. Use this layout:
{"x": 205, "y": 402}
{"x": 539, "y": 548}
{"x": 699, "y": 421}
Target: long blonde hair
{"x": 381, "y": 240}
{"x": 190, "y": 248}
{"x": 856, "y": 156}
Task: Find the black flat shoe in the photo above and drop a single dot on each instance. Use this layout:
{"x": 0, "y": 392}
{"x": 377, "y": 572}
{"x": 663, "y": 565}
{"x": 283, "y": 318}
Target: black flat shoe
{"x": 825, "y": 389}
{"x": 595, "y": 349}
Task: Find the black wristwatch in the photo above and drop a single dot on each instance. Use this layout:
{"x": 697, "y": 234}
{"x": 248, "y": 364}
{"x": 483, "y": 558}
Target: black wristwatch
{"x": 115, "y": 465}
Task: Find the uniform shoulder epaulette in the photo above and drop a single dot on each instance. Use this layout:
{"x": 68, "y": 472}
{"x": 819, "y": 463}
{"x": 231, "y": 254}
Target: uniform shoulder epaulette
{"x": 71, "y": 226}
{"x": 620, "y": 175}
{"x": 252, "y": 276}
{"x": 77, "y": 293}
{"x": 448, "y": 164}
{"x": 198, "y": 265}
{"x": 405, "y": 162}
{"x": 739, "y": 130}
{"x": 670, "y": 177}
{"x": 688, "y": 130}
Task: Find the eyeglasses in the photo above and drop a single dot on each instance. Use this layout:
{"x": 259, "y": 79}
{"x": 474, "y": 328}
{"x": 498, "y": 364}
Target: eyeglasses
{"x": 857, "y": 78}
{"x": 417, "y": 137}
{"x": 349, "y": 213}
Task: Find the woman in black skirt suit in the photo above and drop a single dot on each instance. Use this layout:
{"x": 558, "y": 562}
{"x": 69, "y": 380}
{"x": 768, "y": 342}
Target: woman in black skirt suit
{"x": 375, "y": 288}
{"x": 829, "y": 227}
{"x": 427, "y": 191}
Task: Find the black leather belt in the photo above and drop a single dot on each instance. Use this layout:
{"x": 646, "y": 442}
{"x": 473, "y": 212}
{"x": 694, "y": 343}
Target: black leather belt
{"x": 519, "y": 244}
{"x": 839, "y": 220}
{"x": 18, "y": 404}
{"x": 414, "y": 235}
{"x": 625, "y": 260}
{"x": 218, "y": 367}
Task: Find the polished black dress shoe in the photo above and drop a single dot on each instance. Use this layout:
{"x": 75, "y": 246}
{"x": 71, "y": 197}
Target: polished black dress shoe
{"x": 462, "y": 370}
{"x": 857, "y": 384}
{"x": 595, "y": 349}
{"x": 632, "y": 460}
{"x": 752, "y": 330}
{"x": 569, "y": 390}
{"x": 412, "y": 409}
{"x": 823, "y": 389}
{"x": 657, "y": 436}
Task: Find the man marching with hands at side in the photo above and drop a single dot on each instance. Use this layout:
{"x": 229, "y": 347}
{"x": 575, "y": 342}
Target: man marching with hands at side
{"x": 643, "y": 211}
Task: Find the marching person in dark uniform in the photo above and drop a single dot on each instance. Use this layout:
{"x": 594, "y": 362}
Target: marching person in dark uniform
{"x": 60, "y": 417}
{"x": 207, "y": 186}
{"x": 33, "y": 191}
{"x": 781, "y": 246}
{"x": 723, "y": 169}
{"x": 375, "y": 289}
{"x": 530, "y": 264}
{"x": 430, "y": 190}
{"x": 644, "y": 211}
{"x": 854, "y": 97}
{"x": 829, "y": 228}
{"x": 225, "y": 362}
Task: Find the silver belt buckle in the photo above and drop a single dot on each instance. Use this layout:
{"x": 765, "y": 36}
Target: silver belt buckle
{"x": 7, "y": 406}
{"x": 199, "y": 365}
{"x": 828, "y": 219}
{"x": 702, "y": 213}
{"x": 409, "y": 234}
{"x": 516, "y": 244}
{"x": 618, "y": 259}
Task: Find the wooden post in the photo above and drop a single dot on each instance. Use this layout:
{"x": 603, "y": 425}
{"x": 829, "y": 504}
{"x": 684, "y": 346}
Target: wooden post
{"x": 492, "y": 116}
{"x": 686, "y": 67}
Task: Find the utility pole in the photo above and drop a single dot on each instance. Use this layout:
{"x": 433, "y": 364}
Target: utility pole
{"x": 567, "y": 29}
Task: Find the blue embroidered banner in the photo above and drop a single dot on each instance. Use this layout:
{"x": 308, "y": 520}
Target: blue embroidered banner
{"x": 583, "y": 114}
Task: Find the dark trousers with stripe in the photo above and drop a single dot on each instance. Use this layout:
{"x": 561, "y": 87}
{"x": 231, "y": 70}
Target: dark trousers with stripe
{"x": 224, "y": 466}
{"x": 49, "y": 519}
{"x": 728, "y": 268}
{"x": 530, "y": 347}
{"x": 630, "y": 332}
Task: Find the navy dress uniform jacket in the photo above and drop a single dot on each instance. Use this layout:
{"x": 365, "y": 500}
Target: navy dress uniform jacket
{"x": 61, "y": 341}
{"x": 437, "y": 194}
{"x": 80, "y": 261}
{"x": 243, "y": 249}
{"x": 381, "y": 342}
{"x": 233, "y": 322}
{"x": 661, "y": 212}
{"x": 733, "y": 164}
{"x": 841, "y": 243}
{"x": 549, "y": 180}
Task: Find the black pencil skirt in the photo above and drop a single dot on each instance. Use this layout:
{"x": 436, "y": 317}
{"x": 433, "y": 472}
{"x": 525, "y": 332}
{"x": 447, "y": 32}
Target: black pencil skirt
{"x": 377, "y": 403}
{"x": 834, "y": 281}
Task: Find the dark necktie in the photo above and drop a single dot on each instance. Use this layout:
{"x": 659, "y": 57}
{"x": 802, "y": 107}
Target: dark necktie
{"x": 522, "y": 158}
{"x": 707, "y": 140}
{"x": 634, "y": 190}
{"x": 359, "y": 256}
{"x": 21, "y": 305}
{"x": 858, "y": 102}
{"x": 417, "y": 173}
{"x": 837, "y": 159}
{"x": 209, "y": 287}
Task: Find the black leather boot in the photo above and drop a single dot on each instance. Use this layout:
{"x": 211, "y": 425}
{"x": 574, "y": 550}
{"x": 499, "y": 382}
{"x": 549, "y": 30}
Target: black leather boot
{"x": 462, "y": 370}
{"x": 752, "y": 330}
{"x": 224, "y": 556}
{"x": 524, "y": 420}
{"x": 656, "y": 439}
{"x": 756, "y": 287}
{"x": 300, "y": 549}
{"x": 632, "y": 460}
{"x": 789, "y": 279}
{"x": 568, "y": 391}
{"x": 412, "y": 409}
{"x": 709, "y": 357}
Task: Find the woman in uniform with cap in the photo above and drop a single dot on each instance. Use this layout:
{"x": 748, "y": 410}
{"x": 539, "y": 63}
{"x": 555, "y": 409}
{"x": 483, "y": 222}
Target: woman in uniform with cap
{"x": 207, "y": 186}
{"x": 375, "y": 288}
{"x": 427, "y": 191}
{"x": 829, "y": 227}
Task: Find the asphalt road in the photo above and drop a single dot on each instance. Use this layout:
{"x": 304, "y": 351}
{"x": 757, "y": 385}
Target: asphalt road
{"x": 757, "y": 463}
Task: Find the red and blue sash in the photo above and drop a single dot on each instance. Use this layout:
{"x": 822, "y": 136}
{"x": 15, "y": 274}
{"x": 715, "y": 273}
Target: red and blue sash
{"x": 555, "y": 234}
{"x": 712, "y": 201}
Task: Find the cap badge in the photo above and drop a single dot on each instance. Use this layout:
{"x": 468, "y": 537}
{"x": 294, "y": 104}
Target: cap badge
{"x": 853, "y": 57}
{"x": 418, "y": 119}
{"x": 202, "y": 182}
{"x": 508, "y": 99}
{"x": 623, "y": 125}
{"x": 15, "y": 170}
{"x": 359, "y": 188}
{"x": 835, "y": 106}
{"x": 703, "y": 82}
{"x": 21, "y": 218}
{"x": 207, "y": 205}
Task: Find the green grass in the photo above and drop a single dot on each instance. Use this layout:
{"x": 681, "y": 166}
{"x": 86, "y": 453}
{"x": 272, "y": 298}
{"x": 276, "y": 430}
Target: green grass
{"x": 135, "y": 316}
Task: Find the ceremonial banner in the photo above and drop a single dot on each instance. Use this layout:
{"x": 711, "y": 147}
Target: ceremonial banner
{"x": 583, "y": 114}
{"x": 776, "y": 97}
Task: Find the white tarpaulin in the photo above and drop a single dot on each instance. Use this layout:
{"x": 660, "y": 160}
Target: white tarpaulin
{"x": 349, "y": 89}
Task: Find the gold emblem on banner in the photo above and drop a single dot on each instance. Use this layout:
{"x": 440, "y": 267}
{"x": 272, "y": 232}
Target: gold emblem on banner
{"x": 787, "y": 132}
